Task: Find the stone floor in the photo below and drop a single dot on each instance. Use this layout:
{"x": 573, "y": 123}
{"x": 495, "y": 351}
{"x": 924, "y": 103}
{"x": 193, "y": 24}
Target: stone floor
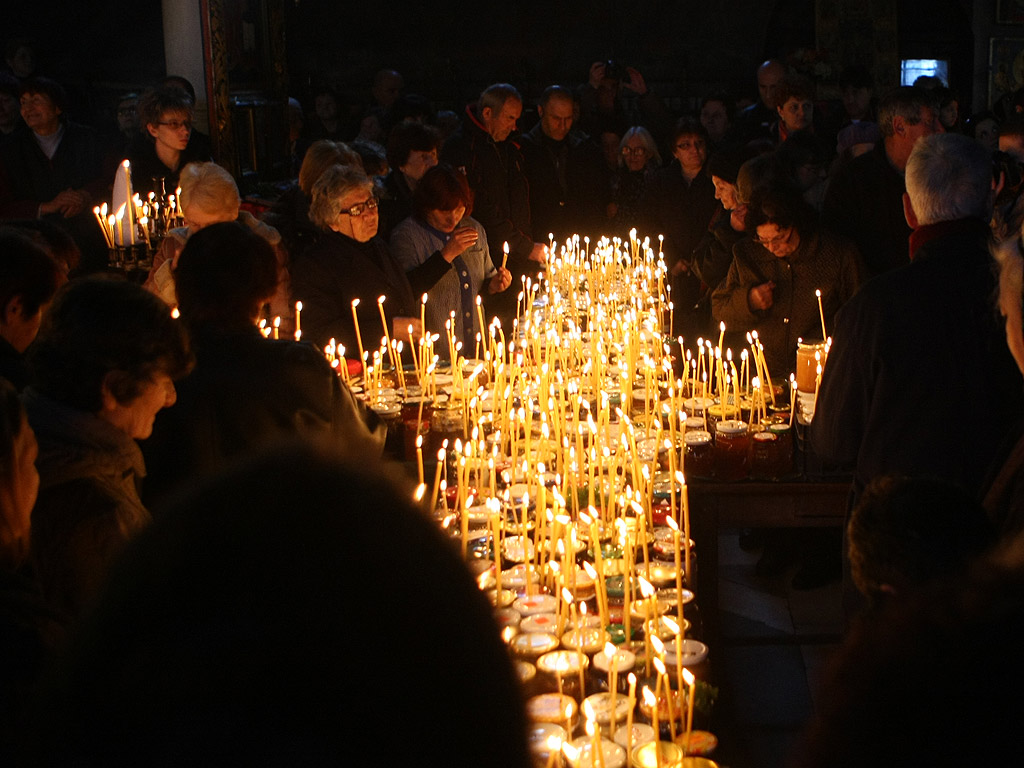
{"x": 770, "y": 659}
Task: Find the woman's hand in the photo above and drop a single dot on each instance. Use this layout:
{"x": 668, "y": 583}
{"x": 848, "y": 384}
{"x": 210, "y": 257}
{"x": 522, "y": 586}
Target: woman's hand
{"x": 461, "y": 239}
{"x": 407, "y": 329}
{"x": 500, "y": 281}
{"x": 761, "y": 296}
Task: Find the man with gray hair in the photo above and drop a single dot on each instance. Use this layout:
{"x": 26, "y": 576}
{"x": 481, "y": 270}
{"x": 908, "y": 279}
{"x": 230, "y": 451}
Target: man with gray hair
{"x": 919, "y": 381}
{"x": 863, "y": 198}
{"x": 494, "y": 168}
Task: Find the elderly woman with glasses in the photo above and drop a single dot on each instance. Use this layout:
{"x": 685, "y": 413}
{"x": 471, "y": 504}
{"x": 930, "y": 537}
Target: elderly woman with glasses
{"x": 771, "y": 284}
{"x": 348, "y": 263}
{"x": 638, "y": 160}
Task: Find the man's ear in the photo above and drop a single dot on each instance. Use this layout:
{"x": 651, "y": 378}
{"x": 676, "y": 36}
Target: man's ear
{"x": 540, "y": 111}
{"x": 899, "y": 125}
{"x": 908, "y": 212}
{"x": 14, "y": 311}
{"x": 486, "y": 114}
{"x": 152, "y": 129}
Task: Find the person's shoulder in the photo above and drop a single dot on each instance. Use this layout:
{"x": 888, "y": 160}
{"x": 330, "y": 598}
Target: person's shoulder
{"x": 407, "y": 229}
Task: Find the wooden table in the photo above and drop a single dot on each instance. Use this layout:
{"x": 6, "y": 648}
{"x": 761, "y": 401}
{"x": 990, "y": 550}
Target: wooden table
{"x": 720, "y": 506}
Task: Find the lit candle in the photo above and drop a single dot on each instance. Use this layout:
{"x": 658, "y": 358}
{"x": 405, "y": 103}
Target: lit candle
{"x": 359, "y": 338}
{"x": 629, "y": 714}
{"x": 691, "y": 683}
{"x": 298, "y": 320}
{"x": 652, "y": 702}
{"x": 821, "y": 313}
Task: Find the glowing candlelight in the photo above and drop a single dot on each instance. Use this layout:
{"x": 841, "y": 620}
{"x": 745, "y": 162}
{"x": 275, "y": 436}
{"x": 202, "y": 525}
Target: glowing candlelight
{"x": 359, "y": 338}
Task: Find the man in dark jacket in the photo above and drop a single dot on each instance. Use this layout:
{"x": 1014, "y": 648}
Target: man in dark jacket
{"x": 494, "y": 166}
{"x": 864, "y": 202}
{"x": 568, "y": 183}
{"x": 920, "y": 351}
{"x": 54, "y": 169}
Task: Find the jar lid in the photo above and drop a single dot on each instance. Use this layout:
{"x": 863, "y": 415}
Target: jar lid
{"x": 779, "y": 429}
{"x": 601, "y": 706}
{"x": 625, "y": 660}
{"x": 731, "y": 427}
{"x": 642, "y": 733}
{"x": 701, "y": 742}
{"x": 697, "y": 437}
{"x": 694, "y": 652}
{"x": 533, "y": 643}
{"x": 539, "y": 734}
{"x": 765, "y": 437}
{"x": 612, "y": 755}
{"x": 694, "y": 422}
{"x": 551, "y": 708}
{"x": 525, "y": 671}
{"x": 588, "y": 639}
{"x": 697, "y": 403}
{"x": 562, "y": 663}
{"x": 507, "y": 617}
{"x": 644, "y": 756}
{"x": 536, "y": 604}
{"x": 540, "y": 622}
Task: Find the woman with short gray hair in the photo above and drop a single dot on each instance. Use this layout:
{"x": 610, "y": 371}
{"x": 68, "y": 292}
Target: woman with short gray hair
{"x": 349, "y": 262}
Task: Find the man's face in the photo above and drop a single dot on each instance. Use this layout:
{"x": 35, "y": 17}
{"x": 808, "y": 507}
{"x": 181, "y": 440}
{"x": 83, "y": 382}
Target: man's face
{"x": 556, "y": 118}
{"x": 387, "y": 90}
{"x": 326, "y": 106}
{"x": 715, "y": 119}
{"x": 40, "y": 113}
{"x": 128, "y": 117}
{"x": 501, "y": 123}
{"x": 856, "y": 101}
{"x": 926, "y": 126}
{"x": 768, "y": 77}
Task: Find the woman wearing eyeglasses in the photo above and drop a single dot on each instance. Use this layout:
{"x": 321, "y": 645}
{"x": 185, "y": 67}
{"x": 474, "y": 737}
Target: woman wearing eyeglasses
{"x": 350, "y": 262}
{"x": 774, "y": 274}
{"x": 162, "y": 149}
{"x": 638, "y": 160}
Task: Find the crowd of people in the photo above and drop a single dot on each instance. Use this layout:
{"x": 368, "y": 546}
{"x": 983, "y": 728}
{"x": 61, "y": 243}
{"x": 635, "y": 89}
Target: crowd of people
{"x": 171, "y": 485}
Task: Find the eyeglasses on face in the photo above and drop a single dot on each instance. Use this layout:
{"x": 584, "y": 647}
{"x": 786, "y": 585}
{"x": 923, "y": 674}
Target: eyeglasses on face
{"x": 777, "y": 240}
{"x": 359, "y": 209}
{"x": 634, "y": 150}
{"x": 177, "y": 125}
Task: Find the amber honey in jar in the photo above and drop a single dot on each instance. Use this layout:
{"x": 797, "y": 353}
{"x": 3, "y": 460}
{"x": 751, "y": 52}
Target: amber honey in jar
{"x": 763, "y": 451}
{"x": 783, "y": 454}
{"x": 699, "y": 455}
{"x": 732, "y": 443}
{"x": 807, "y": 365}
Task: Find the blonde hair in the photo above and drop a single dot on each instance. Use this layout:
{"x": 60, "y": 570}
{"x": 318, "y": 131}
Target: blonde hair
{"x": 211, "y": 188}
{"x": 320, "y": 156}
